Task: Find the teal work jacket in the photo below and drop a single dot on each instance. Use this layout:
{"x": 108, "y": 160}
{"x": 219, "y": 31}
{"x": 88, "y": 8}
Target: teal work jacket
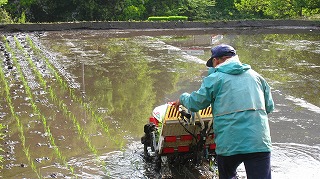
{"x": 240, "y": 100}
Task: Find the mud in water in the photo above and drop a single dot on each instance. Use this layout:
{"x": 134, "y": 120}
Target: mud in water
{"x": 74, "y": 103}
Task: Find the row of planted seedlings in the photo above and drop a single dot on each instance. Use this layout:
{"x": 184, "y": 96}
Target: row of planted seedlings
{"x": 13, "y": 111}
{"x": 92, "y": 111}
{"x": 1, "y": 125}
{"x": 2, "y": 135}
{"x": 61, "y": 104}
{"x": 37, "y": 110}
{"x": 1, "y": 138}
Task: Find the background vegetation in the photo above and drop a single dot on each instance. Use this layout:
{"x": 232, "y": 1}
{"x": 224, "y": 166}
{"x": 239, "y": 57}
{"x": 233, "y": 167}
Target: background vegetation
{"x": 123, "y": 10}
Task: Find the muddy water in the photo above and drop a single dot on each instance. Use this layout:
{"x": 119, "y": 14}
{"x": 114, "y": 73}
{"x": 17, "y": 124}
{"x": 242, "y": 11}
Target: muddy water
{"x": 101, "y": 86}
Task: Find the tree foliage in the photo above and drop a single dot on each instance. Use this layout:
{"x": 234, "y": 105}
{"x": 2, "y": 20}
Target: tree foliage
{"x": 291, "y": 8}
{"x": 2, "y": 2}
{"x": 253, "y": 8}
{"x": 4, "y": 16}
{"x": 123, "y": 10}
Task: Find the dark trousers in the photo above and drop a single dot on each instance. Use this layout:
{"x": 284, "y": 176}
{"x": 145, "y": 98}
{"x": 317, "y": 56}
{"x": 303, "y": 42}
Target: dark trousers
{"x": 257, "y": 165}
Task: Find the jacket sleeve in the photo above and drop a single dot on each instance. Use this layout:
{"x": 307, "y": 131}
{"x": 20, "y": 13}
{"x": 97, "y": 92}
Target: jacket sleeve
{"x": 269, "y": 104}
{"x": 200, "y": 99}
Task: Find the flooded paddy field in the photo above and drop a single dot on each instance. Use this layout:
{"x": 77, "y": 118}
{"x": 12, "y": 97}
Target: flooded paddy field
{"x": 73, "y": 103}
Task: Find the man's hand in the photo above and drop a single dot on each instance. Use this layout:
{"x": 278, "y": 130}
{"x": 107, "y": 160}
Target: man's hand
{"x": 176, "y": 104}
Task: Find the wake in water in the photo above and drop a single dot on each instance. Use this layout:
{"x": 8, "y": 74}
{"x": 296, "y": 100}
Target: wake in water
{"x": 288, "y": 161}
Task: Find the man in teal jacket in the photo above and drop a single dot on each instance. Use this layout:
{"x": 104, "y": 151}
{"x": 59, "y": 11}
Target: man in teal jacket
{"x": 241, "y": 100}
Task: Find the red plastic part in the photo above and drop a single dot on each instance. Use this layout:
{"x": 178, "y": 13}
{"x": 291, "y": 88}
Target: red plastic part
{"x": 212, "y": 146}
{"x": 168, "y": 150}
{"x": 183, "y": 148}
{"x": 170, "y": 139}
{"x": 185, "y": 137}
{"x": 153, "y": 120}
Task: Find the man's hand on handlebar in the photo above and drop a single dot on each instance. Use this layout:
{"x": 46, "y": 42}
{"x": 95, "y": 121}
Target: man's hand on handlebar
{"x": 176, "y": 104}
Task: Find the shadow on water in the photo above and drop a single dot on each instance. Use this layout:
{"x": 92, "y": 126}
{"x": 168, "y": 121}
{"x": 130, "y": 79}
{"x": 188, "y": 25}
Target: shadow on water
{"x": 86, "y": 109}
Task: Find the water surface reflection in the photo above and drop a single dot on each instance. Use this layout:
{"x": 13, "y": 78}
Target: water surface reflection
{"x": 124, "y": 78}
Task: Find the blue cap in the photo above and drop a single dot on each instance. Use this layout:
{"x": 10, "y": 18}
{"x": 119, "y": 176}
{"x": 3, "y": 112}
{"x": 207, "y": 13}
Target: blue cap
{"x": 220, "y": 51}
